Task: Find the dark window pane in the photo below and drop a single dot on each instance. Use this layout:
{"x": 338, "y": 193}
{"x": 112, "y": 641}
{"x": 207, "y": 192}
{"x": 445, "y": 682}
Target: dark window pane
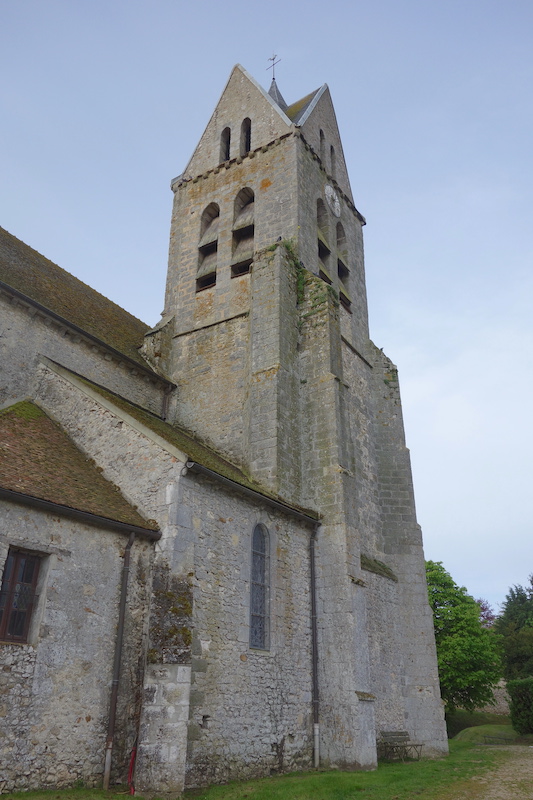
{"x": 17, "y": 595}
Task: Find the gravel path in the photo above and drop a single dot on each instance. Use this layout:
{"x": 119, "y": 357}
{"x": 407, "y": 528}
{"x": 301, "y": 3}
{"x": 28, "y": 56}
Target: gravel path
{"x": 511, "y": 780}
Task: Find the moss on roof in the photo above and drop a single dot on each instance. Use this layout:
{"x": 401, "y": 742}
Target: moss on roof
{"x": 30, "y": 273}
{"x": 38, "y": 459}
{"x": 377, "y": 567}
{"x": 296, "y": 111}
{"x": 190, "y": 446}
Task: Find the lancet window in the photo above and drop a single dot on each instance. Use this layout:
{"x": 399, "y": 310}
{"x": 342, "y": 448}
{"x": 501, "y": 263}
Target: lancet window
{"x": 260, "y": 589}
{"x": 246, "y": 136}
{"x": 343, "y": 271}
{"x": 333, "y": 161}
{"x": 206, "y": 275}
{"x": 225, "y": 144}
{"x": 324, "y": 251}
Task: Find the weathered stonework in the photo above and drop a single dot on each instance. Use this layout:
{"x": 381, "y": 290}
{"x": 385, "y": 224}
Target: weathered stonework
{"x": 258, "y": 400}
{"x": 55, "y": 689}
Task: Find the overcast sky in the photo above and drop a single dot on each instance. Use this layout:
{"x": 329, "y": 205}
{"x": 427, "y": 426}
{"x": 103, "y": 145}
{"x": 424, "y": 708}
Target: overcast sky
{"x": 103, "y": 101}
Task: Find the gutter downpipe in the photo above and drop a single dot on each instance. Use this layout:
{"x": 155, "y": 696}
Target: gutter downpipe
{"x": 314, "y": 653}
{"x": 116, "y": 664}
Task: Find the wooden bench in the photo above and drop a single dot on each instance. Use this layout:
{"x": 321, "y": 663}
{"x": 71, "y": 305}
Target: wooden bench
{"x": 396, "y": 745}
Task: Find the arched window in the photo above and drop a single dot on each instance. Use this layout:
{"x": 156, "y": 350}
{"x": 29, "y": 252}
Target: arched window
{"x": 324, "y": 251}
{"x": 246, "y": 136}
{"x": 243, "y": 233}
{"x": 225, "y": 141}
{"x": 333, "y": 162}
{"x": 322, "y": 148}
{"x": 342, "y": 267}
{"x": 260, "y": 589}
{"x": 206, "y": 275}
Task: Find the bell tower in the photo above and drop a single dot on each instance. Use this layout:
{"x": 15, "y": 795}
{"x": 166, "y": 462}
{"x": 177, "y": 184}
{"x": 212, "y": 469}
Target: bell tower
{"x": 265, "y": 333}
{"x": 263, "y": 205}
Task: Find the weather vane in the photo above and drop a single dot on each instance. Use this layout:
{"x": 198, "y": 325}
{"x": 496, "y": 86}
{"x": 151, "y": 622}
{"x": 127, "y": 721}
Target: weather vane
{"x": 273, "y": 65}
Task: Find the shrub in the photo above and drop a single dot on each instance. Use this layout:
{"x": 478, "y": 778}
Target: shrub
{"x": 521, "y": 707}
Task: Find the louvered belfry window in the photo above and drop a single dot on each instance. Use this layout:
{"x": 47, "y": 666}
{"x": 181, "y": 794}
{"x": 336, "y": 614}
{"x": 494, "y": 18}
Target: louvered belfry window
{"x": 259, "y": 591}
{"x": 17, "y": 595}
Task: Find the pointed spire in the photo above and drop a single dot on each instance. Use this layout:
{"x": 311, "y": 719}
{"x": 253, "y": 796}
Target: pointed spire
{"x": 276, "y": 95}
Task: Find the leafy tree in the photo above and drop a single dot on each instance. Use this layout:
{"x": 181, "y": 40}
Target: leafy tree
{"x": 467, "y": 652}
{"x": 521, "y": 707}
{"x": 486, "y": 613}
{"x": 515, "y": 625}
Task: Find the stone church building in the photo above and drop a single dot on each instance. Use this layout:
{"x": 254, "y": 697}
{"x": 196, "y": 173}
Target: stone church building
{"x": 208, "y": 543}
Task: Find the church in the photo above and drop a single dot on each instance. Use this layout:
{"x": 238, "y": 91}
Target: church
{"x": 210, "y": 560}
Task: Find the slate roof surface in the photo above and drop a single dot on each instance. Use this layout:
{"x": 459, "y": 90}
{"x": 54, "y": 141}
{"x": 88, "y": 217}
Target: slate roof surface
{"x": 190, "y": 446}
{"x": 296, "y": 111}
{"x": 39, "y": 460}
{"x": 30, "y": 273}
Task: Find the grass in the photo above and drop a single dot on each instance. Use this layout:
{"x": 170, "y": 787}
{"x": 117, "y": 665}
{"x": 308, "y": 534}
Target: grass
{"x": 439, "y": 779}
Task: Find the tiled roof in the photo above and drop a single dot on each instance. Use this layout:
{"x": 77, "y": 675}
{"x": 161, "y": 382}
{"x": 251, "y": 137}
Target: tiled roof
{"x": 38, "y": 459}
{"x": 34, "y": 276}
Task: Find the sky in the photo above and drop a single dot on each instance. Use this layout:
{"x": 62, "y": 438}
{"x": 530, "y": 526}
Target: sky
{"x": 103, "y": 101}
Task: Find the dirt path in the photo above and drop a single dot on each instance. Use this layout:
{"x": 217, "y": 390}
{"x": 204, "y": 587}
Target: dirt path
{"x": 511, "y": 780}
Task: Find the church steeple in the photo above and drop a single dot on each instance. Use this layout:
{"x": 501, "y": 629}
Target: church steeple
{"x": 276, "y": 95}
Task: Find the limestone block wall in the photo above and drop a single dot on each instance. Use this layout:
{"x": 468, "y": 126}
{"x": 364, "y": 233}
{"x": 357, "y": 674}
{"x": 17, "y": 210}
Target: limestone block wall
{"x": 403, "y": 552}
{"x": 323, "y": 119}
{"x": 242, "y": 97}
{"x": 26, "y": 335}
{"x": 385, "y": 620}
{"x": 250, "y": 710}
{"x": 272, "y": 406}
{"x": 211, "y": 366}
{"x": 329, "y": 469}
{"x": 269, "y": 172}
{"x": 55, "y": 690}
{"x": 128, "y": 457}
{"x": 312, "y": 180}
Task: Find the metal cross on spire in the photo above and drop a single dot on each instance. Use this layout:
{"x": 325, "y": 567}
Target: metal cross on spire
{"x": 273, "y": 65}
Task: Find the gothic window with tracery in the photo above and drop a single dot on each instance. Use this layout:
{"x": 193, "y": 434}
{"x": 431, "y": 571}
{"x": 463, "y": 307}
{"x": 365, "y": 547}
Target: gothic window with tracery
{"x": 260, "y": 589}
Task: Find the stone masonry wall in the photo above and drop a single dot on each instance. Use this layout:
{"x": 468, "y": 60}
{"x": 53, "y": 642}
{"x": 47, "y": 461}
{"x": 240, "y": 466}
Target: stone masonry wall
{"x": 25, "y": 336}
{"x": 250, "y": 710}
{"x": 55, "y": 691}
{"x": 241, "y": 98}
{"x": 403, "y": 552}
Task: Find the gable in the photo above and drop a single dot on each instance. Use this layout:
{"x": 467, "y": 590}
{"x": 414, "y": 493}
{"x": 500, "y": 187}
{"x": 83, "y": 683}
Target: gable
{"x": 318, "y": 116}
{"x": 38, "y": 460}
{"x": 243, "y": 98}
{"x": 42, "y": 281}
{"x": 174, "y": 439}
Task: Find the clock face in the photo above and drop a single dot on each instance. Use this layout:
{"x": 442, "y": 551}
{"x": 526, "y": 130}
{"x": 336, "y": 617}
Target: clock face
{"x": 332, "y": 200}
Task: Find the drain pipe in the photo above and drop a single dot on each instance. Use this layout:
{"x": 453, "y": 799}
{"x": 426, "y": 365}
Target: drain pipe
{"x": 116, "y": 664}
{"x": 314, "y": 653}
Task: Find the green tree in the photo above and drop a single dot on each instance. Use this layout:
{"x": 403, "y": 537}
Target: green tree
{"x": 468, "y": 654}
{"x": 515, "y": 625}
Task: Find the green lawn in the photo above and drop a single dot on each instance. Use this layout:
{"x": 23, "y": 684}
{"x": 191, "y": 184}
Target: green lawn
{"x": 430, "y": 779}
